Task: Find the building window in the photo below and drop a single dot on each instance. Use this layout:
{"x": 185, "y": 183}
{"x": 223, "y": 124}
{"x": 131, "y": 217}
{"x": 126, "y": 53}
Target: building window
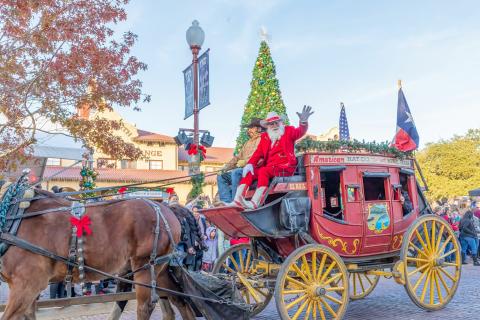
{"x": 155, "y": 164}
{"x": 209, "y": 169}
{"x": 183, "y": 168}
{"x": 106, "y": 163}
{"x": 53, "y": 162}
{"x": 128, "y": 164}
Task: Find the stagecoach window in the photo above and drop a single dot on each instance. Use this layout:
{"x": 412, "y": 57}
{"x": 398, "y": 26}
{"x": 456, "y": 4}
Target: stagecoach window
{"x": 332, "y": 194}
{"x": 353, "y": 193}
{"x": 397, "y": 191}
{"x": 374, "y": 188}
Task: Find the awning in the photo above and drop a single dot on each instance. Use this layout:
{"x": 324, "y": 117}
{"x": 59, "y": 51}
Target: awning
{"x": 474, "y": 193}
{"x": 332, "y": 168}
{"x": 369, "y": 174}
{"x": 58, "y": 152}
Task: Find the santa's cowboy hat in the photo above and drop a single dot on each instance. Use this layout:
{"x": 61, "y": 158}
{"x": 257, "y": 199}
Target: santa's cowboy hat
{"x": 272, "y": 117}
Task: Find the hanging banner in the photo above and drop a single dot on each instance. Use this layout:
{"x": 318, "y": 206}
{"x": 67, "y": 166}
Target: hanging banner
{"x": 188, "y": 79}
{"x": 204, "y": 77}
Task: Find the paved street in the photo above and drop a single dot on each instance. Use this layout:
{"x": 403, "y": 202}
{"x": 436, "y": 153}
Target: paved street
{"x": 388, "y": 301}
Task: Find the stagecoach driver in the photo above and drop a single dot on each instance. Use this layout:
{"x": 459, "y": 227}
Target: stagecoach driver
{"x": 231, "y": 174}
{"x": 276, "y": 149}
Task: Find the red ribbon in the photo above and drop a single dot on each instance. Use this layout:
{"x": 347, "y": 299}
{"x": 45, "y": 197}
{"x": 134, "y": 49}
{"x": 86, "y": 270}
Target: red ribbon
{"x": 204, "y": 151}
{"x": 192, "y": 150}
{"x": 82, "y": 224}
{"x": 122, "y": 190}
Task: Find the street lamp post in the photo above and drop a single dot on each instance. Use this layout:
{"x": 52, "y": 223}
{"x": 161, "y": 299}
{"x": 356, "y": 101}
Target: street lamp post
{"x": 195, "y": 37}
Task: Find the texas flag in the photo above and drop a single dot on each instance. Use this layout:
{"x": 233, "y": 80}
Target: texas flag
{"x": 406, "y": 137}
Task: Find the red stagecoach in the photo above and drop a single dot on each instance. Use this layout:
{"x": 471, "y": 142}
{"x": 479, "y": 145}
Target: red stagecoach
{"x": 328, "y": 233}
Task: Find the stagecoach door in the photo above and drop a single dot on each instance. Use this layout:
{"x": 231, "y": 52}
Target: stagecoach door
{"x": 377, "y": 209}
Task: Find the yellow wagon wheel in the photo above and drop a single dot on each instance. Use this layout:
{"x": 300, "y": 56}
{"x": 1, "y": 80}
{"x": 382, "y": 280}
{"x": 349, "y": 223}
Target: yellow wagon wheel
{"x": 431, "y": 259}
{"x": 362, "y": 284}
{"x": 238, "y": 260}
{"x": 304, "y": 285}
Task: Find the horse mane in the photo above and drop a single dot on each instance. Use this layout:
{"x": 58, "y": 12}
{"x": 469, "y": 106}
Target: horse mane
{"x": 52, "y": 195}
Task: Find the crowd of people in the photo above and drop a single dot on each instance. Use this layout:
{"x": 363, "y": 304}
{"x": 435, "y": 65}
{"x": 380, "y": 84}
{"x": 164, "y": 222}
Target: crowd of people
{"x": 466, "y": 225}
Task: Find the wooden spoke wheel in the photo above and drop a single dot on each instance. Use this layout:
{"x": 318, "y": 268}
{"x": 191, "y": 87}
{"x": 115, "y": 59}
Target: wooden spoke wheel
{"x": 362, "y": 284}
{"x": 431, "y": 258}
{"x": 304, "y": 285}
{"x": 237, "y": 260}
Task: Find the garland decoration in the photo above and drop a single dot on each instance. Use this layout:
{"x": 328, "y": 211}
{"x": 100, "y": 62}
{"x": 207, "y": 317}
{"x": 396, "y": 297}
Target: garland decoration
{"x": 87, "y": 182}
{"x": 197, "y": 185}
{"x": 354, "y": 146}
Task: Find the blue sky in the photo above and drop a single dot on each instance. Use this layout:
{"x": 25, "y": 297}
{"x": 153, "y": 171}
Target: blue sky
{"x": 325, "y": 52}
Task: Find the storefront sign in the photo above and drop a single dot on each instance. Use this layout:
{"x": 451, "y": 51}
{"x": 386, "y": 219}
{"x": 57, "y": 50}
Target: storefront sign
{"x": 147, "y": 194}
{"x": 318, "y": 159}
{"x": 153, "y": 153}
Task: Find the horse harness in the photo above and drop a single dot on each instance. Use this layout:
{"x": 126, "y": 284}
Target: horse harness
{"x": 75, "y": 252}
{"x": 12, "y": 213}
{"x": 11, "y": 205}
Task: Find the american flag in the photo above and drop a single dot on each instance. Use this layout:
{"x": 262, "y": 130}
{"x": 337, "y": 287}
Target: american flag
{"x": 343, "y": 124}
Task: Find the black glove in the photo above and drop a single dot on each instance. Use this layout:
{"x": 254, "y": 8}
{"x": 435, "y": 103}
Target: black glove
{"x": 305, "y": 114}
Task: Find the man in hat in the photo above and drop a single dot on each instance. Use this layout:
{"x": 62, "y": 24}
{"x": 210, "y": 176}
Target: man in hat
{"x": 229, "y": 179}
{"x": 276, "y": 149}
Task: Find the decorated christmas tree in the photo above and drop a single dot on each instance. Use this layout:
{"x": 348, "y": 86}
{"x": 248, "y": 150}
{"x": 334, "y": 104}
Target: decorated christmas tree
{"x": 265, "y": 95}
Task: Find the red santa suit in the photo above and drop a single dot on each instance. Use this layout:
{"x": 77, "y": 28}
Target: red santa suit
{"x": 278, "y": 160}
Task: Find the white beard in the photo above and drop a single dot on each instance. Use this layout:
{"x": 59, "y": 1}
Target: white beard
{"x": 276, "y": 134}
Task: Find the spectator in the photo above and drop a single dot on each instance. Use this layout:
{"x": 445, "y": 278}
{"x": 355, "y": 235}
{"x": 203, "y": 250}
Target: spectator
{"x": 201, "y": 220}
{"x": 468, "y": 237}
{"x": 407, "y": 206}
{"x": 476, "y": 209}
{"x": 57, "y": 290}
{"x": 211, "y": 254}
{"x": 173, "y": 199}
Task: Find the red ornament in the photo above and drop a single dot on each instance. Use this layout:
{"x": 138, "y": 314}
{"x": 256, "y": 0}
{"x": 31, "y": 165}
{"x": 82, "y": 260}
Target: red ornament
{"x": 82, "y": 224}
{"x": 122, "y": 190}
{"x": 170, "y": 191}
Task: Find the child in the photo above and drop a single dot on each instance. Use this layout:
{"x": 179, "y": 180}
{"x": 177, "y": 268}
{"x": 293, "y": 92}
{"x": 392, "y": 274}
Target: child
{"x": 211, "y": 254}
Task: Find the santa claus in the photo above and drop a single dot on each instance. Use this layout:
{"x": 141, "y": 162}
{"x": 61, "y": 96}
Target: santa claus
{"x": 276, "y": 149}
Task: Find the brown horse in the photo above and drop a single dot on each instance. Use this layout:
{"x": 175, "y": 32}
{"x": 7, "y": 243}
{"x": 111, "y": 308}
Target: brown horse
{"x": 122, "y": 239}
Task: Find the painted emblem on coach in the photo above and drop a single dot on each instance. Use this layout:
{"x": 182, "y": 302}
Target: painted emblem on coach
{"x": 378, "y": 218}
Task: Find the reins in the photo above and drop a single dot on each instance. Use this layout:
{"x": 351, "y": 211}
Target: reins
{"x": 13, "y": 240}
{"x": 67, "y": 195}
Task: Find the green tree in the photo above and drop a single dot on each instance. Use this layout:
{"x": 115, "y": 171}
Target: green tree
{"x": 265, "y": 95}
{"x": 452, "y": 167}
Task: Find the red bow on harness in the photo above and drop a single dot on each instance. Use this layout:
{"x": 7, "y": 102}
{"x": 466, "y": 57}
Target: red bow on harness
{"x": 82, "y": 224}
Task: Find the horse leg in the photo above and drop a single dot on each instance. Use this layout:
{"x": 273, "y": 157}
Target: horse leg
{"x": 119, "y": 306}
{"x": 30, "y": 313}
{"x": 22, "y": 300}
{"x": 167, "y": 311}
{"x": 184, "y": 308}
{"x": 143, "y": 294}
